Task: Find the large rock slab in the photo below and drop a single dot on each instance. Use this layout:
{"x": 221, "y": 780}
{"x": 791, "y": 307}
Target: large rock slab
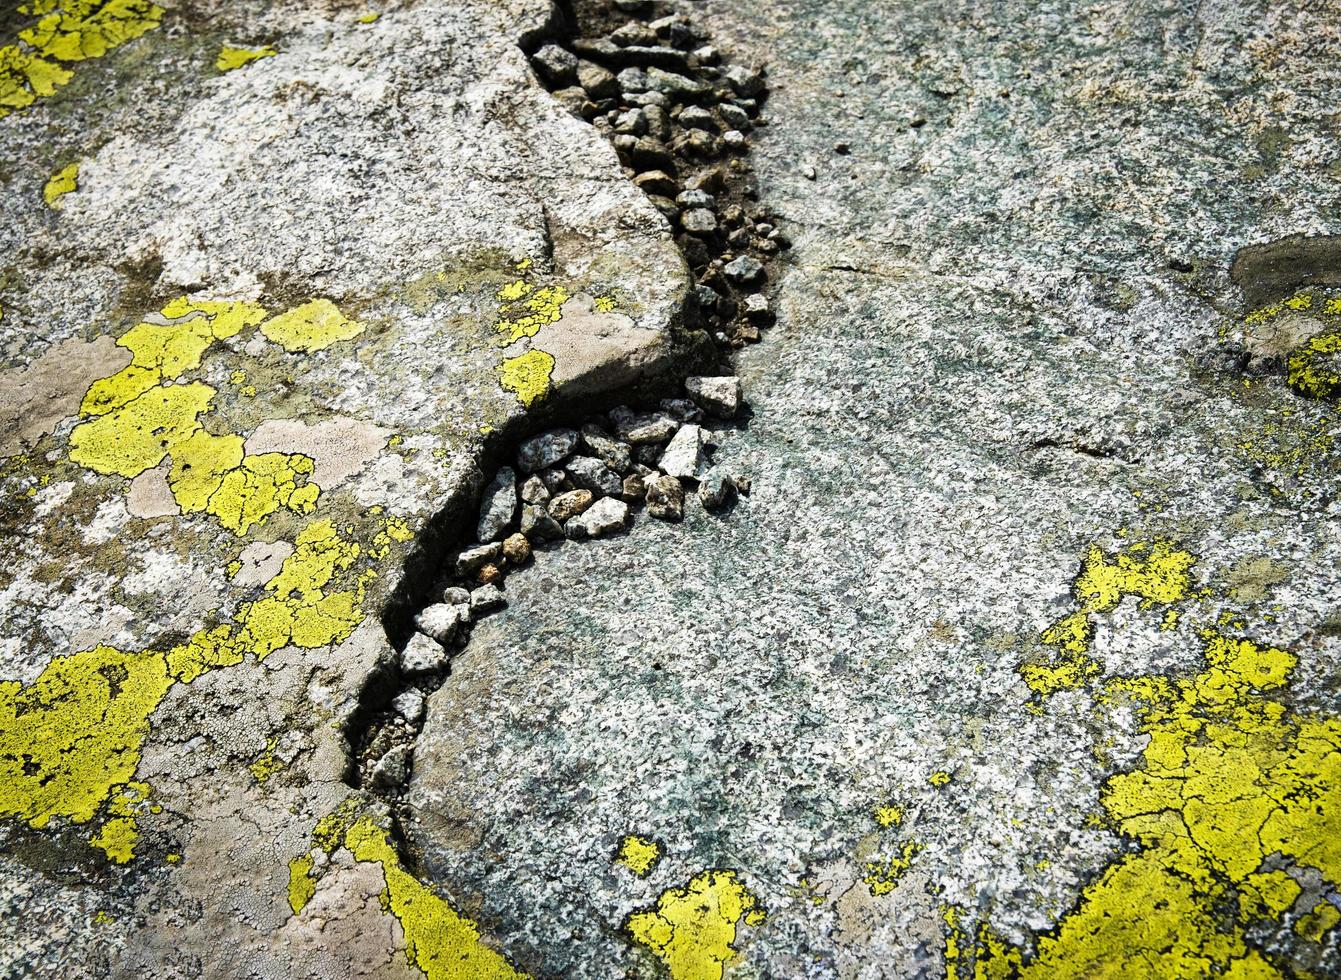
{"x": 257, "y": 326}
{"x": 969, "y": 669}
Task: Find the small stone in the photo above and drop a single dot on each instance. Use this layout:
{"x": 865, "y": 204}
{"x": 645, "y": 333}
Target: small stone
{"x": 538, "y": 526}
{"x": 498, "y": 510}
{"x": 666, "y": 206}
{"x": 706, "y": 55}
{"x": 698, "y": 143}
{"x": 649, "y": 100}
{"x": 632, "y": 80}
{"x": 656, "y": 182}
{"x": 556, "y": 481}
{"x": 632, "y": 122}
{"x": 589, "y": 473}
{"x": 633, "y": 32}
{"x": 745, "y": 81}
{"x": 393, "y": 769}
{"x": 607, "y": 449}
{"x": 647, "y": 454}
{"x": 633, "y": 6}
{"x": 706, "y": 297}
{"x": 516, "y": 549}
{"x": 808, "y": 173}
{"x": 734, "y": 139}
{"x": 607, "y": 516}
{"x": 743, "y": 484}
{"x": 744, "y": 270}
{"x": 570, "y": 504}
{"x": 682, "y": 409}
{"x": 596, "y": 81}
{"x": 489, "y": 575}
{"x": 635, "y": 487}
{"x": 454, "y": 595}
{"x": 718, "y": 396}
{"x": 684, "y": 456}
{"x": 440, "y": 621}
{"x": 697, "y": 117}
{"x": 545, "y": 450}
{"x": 699, "y": 221}
{"x": 571, "y": 98}
{"x": 696, "y": 199}
{"x": 756, "y": 307}
{"x": 472, "y": 559}
{"x": 734, "y": 116}
{"x": 555, "y": 65}
{"x": 534, "y": 491}
{"x": 486, "y": 599}
{"x": 409, "y": 704}
{"x": 716, "y": 490}
{"x": 641, "y": 427}
{"x": 676, "y": 86}
{"x": 665, "y": 498}
{"x": 658, "y": 121}
{"x": 422, "y": 655}
{"x": 651, "y": 154}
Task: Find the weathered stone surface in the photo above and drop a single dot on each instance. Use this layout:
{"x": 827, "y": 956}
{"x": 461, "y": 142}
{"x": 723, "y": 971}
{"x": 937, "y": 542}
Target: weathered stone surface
{"x": 984, "y": 372}
{"x": 612, "y": 452}
{"x": 263, "y": 307}
{"x": 606, "y": 516}
{"x": 473, "y": 559}
{"x": 498, "y": 510}
{"x": 486, "y": 599}
{"x": 516, "y": 549}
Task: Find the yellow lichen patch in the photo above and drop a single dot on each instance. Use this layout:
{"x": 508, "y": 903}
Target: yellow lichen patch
{"x": 63, "y": 181}
{"x": 266, "y": 764}
{"x": 369, "y": 18}
{"x": 1314, "y": 367}
{"x": 117, "y": 839}
{"x": 939, "y": 778}
{"x": 311, "y": 327}
{"x": 1319, "y": 922}
{"x": 525, "y": 310}
{"x": 301, "y": 885}
{"x": 882, "y": 876}
{"x": 231, "y": 58}
{"x": 67, "y": 30}
{"x": 605, "y": 304}
{"x": 639, "y": 854}
{"x": 889, "y": 815}
{"x": 527, "y": 375}
{"x": 692, "y": 929}
{"x": 441, "y": 942}
{"x": 137, "y": 436}
{"x": 1072, "y": 671}
{"x": 1230, "y": 778}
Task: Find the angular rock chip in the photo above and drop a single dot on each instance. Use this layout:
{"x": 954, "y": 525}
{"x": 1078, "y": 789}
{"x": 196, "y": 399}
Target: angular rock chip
{"x": 665, "y": 498}
{"x": 589, "y": 473}
{"x": 440, "y": 621}
{"x": 543, "y": 451}
{"x": 570, "y": 504}
{"x": 537, "y": 525}
{"x": 719, "y": 396}
{"x": 683, "y": 458}
{"x": 607, "y": 516}
{"x": 422, "y": 655}
{"x": 498, "y": 510}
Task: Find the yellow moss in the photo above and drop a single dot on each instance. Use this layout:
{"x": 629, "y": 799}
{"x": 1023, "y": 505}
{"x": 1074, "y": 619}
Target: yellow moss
{"x": 67, "y": 30}
{"x": 639, "y": 854}
{"x": 889, "y": 816}
{"x": 231, "y": 58}
{"x": 441, "y": 942}
{"x": 692, "y": 929}
{"x": 301, "y": 885}
{"x": 882, "y": 876}
{"x": 62, "y": 182}
{"x": 117, "y": 839}
{"x": 527, "y": 375}
{"x": 311, "y": 327}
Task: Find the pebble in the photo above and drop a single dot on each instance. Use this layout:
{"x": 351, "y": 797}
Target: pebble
{"x": 422, "y": 655}
{"x": 734, "y": 139}
{"x": 744, "y": 270}
{"x": 676, "y": 86}
{"x": 543, "y": 451}
{"x": 697, "y": 117}
{"x": 440, "y": 621}
{"x": 572, "y": 98}
{"x": 516, "y": 549}
{"x": 684, "y": 456}
{"x": 534, "y": 491}
{"x": 699, "y": 221}
{"x": 718, "y": 396}
{"x": 538, "y": 526}
{"x": 697, "y": 142}
{"x": 473, "y": 559}
{"x": 632, "y": 122}
{"x": 717, "y": 490}
{"x": 393, "y": 768}
{"x": 607, "y": 516}
{"x": 454, "y": 595}
{"x": 632, "y": 80}
{"x": 486, "y": 599}
{"x": 489, "y": 575}
{"x": 745, "y": 81}
{"x": 589, "y": 473}
{"x": 633, "y": 33}
{"x": 498, "y": 510}
{"x": 756, "y": 307}
{"x": 555, "y": 65}
{"x": 706, "y": 55}
{"x": 635, "y": 487}
{"x": 665, "y": 498}
{"x": 651, "y": 154}
{"x": 596, "y": 81}
{"x": 607, "y": 449}
{"x": 696, "y": 199}
{"x": 568, "y": 505}
{"x": 683, "y": 409}
{"x": 656, "y": 182}
{"x": 642, "y": 427}
{"x": 409, "y": 704}
{"x": 556, "y": 481}
{"x": 734, "y": 116}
